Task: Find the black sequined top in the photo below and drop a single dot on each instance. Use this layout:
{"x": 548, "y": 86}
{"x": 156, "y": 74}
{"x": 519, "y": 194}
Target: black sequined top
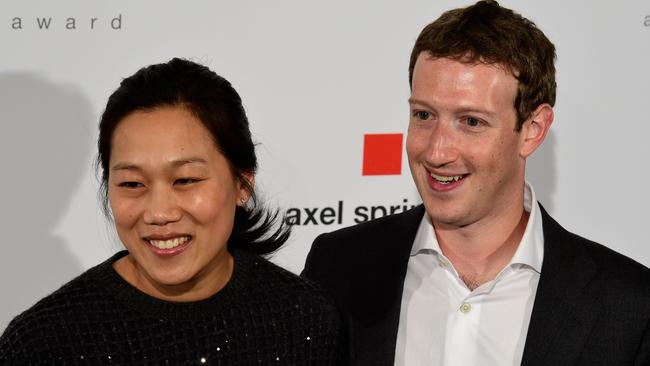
{"x": 265, "y": 315}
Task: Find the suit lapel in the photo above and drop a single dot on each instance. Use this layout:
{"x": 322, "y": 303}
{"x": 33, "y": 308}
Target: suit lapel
{"x": 564, "y": 311}
{"x": 563, "y": 314}
{"x": 378, "y": 288}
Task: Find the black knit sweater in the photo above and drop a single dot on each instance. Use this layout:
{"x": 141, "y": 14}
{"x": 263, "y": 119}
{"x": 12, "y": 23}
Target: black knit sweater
{"x": 263, "y": 316}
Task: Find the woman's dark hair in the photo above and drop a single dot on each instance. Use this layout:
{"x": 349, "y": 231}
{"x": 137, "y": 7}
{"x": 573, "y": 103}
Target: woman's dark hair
{"x": 217, "y": 105}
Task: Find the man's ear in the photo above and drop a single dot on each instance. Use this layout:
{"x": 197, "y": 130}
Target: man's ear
{"x": 535, "y": 128}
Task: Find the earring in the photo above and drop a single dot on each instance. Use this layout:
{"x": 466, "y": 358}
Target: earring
{"x": 242, "y": 201}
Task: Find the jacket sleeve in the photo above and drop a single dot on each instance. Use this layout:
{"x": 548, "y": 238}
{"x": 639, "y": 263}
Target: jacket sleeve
{"x": 643, "y": 356}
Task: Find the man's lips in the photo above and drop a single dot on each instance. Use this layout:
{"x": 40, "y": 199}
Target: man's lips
{"x": 444, "y": 181}
{"x": 447, "y": 179}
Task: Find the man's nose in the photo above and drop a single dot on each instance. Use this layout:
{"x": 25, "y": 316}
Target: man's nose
{"x": 442, "y": 148}
{"x": 162, "y": 207}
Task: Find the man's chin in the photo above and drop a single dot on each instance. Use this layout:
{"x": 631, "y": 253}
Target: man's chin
{"x": 441, "y": 215}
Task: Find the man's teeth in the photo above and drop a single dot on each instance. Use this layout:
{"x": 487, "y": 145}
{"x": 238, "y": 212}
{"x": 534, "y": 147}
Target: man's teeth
{"x": 446, "y": 179}
{"x": 169, "y": 244}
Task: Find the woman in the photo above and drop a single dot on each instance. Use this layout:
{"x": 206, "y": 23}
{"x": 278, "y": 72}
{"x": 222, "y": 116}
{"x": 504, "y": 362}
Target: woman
{"x": 178, "y": 167}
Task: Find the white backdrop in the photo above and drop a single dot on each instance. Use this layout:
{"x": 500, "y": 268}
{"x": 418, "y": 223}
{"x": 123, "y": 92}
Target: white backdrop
{"x": 315, "y": 77}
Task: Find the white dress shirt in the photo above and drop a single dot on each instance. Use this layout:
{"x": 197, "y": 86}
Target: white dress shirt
{"x": 442, "y": 322}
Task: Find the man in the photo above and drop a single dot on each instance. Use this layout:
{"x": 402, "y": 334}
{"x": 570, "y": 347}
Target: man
{"x": 480, "y": 274}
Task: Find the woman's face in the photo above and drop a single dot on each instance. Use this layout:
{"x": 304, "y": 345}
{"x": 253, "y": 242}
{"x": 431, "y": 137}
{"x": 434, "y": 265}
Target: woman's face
{"x": 173, "y": 197}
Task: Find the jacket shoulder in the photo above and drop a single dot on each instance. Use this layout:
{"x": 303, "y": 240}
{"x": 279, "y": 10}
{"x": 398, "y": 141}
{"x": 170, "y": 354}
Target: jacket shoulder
{"x": 622, "y": 271}
{"x": 374, "y": 252}
{"x": 365, "y": 233}
{"x": 615, "y": 272}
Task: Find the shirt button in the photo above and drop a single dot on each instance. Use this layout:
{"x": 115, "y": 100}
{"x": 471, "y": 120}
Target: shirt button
{"x": 465, "y": 307}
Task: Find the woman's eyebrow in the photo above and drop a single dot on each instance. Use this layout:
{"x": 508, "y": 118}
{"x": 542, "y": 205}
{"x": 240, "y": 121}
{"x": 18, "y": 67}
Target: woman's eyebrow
{"x": 175, "y": 163}
{"x": 190, "y": 160}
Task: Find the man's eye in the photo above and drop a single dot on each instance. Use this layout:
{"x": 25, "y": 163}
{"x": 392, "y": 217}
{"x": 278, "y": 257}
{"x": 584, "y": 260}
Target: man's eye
{"x": 131, "y": 185}
{"x": 423, "y": 115}
{"x": 473, "y": 122}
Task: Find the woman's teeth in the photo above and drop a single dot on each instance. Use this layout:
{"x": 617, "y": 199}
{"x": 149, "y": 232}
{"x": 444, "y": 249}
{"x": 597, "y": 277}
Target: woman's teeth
{"x": 446, "y": 179}
{"x": 170, "y": 243}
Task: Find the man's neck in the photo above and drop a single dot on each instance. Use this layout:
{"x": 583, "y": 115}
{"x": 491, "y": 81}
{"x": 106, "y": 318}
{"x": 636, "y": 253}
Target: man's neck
{"x": 481, "y": 250}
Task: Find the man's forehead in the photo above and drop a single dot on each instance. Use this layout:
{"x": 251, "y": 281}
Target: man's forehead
{"x": 455, "y": 85}
{"x": 470, "y": 59}
{"x": 437, "y": 69}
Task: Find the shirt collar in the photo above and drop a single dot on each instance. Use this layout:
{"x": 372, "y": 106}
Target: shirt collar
{"x": 530, "y": 251}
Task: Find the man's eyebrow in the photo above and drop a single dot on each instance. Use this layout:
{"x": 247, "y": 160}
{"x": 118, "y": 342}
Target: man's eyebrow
{"x": 462, "y": 109}
{"x": 412, "y": 100}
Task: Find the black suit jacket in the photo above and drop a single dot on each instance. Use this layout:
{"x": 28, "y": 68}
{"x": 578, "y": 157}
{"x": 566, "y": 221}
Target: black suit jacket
{"x": 592, "y": 305}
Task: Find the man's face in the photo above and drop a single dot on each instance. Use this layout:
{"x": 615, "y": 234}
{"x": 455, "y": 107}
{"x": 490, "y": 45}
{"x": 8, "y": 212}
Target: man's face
{"x": 464, "y": 153}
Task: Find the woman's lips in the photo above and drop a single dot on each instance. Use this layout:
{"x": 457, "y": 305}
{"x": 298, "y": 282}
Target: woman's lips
{"x": 168, "y": 246}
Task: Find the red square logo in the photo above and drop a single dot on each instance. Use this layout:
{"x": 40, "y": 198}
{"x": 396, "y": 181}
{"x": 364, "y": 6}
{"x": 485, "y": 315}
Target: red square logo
{"x": 382, "y": 154}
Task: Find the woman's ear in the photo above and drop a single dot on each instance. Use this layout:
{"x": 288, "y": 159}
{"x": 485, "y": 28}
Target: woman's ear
{"x": 246, "y": 186}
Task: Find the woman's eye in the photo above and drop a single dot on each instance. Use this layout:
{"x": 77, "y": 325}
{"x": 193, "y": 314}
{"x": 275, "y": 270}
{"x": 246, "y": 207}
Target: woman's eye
{"x": 185, "y": 181}
{"x": 131, "y": 185}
